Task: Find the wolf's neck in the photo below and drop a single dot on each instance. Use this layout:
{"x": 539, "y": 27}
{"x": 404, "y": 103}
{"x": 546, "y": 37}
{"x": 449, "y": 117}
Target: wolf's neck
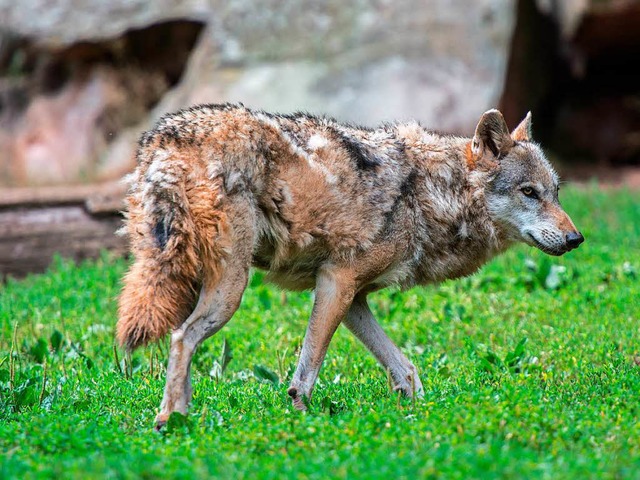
{"x": 454, "y": 233}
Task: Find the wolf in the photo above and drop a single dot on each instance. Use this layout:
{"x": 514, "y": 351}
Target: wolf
{"x": 340, "y": 209}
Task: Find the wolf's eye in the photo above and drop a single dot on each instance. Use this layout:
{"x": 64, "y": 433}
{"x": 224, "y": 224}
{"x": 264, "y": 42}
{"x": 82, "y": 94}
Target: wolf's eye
{"x": 529, "y": 192}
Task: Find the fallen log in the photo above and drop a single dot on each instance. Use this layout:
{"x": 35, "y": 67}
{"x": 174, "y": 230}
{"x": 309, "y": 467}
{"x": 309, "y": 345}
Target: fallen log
{"x": 73, "y": 221}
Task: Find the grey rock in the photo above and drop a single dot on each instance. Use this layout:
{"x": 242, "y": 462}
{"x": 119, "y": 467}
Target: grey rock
{"x": 442, "y": 62}
{"x": 60, "y": 23}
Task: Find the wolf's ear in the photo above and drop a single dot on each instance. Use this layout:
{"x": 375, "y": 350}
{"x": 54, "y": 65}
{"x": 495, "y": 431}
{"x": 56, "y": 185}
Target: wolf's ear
{"x": 522, "y": 133}
{"x": 492, "y": 133}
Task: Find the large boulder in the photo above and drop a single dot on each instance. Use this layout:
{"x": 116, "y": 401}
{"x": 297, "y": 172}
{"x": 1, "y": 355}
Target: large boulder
{"x": 442, "y": 62}
{"x": 63, "y": 23}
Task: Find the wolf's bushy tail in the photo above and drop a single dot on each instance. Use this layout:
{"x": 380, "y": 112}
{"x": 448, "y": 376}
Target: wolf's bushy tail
{"x": 176, "y": 228}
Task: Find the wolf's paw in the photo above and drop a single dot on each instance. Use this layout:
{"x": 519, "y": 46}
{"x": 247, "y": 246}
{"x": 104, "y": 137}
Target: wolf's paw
{"x": 160, "y": 422}
{"x": 299, "y": 400}
{"x": 410, "y": 386}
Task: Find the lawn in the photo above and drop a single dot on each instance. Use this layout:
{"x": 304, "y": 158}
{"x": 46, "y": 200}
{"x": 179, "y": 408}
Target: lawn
{"x": 531, "y": 369}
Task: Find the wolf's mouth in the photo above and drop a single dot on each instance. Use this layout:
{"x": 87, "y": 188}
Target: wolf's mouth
{"x": 540, "y": 246}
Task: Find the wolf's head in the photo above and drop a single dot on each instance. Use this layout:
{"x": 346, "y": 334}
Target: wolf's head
{"x": 522, "y": 196}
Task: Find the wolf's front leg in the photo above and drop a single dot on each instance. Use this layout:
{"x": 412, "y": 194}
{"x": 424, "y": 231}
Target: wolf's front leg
{"x": 364, "y": 326}
{"x": 335, "y": 288}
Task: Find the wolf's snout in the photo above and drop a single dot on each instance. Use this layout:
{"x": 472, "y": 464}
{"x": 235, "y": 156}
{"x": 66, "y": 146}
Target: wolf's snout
{"x": 574, "y": 239}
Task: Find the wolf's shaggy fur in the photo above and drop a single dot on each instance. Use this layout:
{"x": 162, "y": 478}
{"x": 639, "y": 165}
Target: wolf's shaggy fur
{"x": 318, "y": 204}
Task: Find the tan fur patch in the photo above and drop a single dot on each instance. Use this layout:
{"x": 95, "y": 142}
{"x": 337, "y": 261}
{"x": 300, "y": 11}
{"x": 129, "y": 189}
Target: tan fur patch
{"x": 561, "y": 219}
{"x": 161, "y": 287}
{"x": 470, "y": 157}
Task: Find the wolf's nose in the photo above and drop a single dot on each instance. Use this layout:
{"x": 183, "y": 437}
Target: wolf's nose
{"x": 574, "y": 239}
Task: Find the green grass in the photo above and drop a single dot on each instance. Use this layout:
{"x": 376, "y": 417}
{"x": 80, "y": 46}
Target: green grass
{"x": 529, "y": 369}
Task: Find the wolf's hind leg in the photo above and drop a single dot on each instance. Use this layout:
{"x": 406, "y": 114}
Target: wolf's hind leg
{"x": 215, "y": 308}
{"x": 333, "y": 294}
{"x": 217, "y": 303}
{"x": 364, "y": 326}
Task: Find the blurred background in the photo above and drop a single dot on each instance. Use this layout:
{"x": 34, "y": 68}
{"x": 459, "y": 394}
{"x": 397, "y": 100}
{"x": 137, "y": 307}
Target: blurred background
{"x": 81, "y": 79}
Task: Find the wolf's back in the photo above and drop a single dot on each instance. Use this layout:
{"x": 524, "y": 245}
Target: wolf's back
{"x": 175, "y": 225}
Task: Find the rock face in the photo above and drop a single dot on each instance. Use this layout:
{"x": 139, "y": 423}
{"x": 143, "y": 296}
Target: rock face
{"x": 62, "y": 23}
{"x": 440, "y": 61}
{"x": 65, "y": 110}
